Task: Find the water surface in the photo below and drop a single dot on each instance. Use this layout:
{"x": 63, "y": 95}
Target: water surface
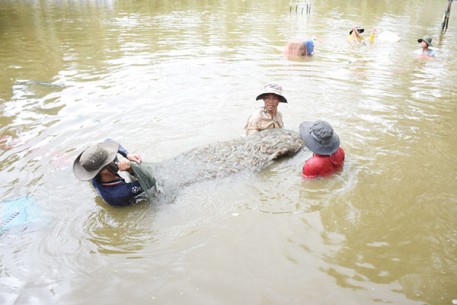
{"x": 162, "y": 77}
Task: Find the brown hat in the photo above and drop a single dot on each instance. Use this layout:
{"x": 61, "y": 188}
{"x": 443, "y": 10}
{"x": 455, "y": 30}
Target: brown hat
{"x": 272, "y": 89}
{"x": 91, "y": 161}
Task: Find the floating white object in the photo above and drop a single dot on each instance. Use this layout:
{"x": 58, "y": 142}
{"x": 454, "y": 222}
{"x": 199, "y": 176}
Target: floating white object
{"x": 388, "y": 36}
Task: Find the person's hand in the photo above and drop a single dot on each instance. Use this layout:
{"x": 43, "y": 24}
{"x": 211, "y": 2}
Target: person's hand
{"x": 123, "y": 165}
{"x": 134, "y": 158}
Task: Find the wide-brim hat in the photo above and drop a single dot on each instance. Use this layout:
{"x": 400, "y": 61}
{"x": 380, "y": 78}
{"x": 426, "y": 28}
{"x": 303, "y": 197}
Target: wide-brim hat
{"x": 272, "y": 89}
{"x": 359, "y": 29}
{"x": 319, "y": 137}
{"x": 427, "y": 39}
{"x": 93, "y": 159}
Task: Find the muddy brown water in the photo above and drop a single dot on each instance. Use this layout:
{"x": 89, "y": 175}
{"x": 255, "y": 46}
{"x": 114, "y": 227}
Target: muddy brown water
{"x": 163, "y": 77}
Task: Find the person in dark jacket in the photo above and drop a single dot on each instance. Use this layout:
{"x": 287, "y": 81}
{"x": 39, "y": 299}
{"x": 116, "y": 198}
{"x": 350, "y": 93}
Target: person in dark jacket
{"x": 100, "y": 164}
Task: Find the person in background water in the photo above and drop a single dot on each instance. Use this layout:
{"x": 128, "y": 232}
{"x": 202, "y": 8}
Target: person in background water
{"x": 99, "y": 163}
{"x": 267, "y": 116}
{"x": 296, "y": 49}
{"x": 328, "y": 156}
{"x": 355, "y": 36}
{"x": 5, "y": 142}
{"x": 426, "y": 43}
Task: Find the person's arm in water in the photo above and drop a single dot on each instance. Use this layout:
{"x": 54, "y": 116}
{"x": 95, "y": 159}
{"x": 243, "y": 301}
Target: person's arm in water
{"x": 122, "y": 151}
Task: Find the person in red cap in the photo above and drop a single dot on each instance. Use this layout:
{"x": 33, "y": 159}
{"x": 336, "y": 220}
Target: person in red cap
{"x": 99, "y": 163}
{"x": 268, "y": 115}
{"x": 328, "y": 156}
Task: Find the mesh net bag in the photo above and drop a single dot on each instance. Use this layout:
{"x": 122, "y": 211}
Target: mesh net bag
{"x": 251, "y": 153}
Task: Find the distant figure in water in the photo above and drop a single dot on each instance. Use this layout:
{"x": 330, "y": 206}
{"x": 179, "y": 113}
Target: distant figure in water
{"x": 267, "y": 116}
{"x": 426, "y": 44}
{"x": 5, "y": 142}
{"x": 297, "y": 49}
{"x": 328, "y": 157}
{"x": 355, "y": 36}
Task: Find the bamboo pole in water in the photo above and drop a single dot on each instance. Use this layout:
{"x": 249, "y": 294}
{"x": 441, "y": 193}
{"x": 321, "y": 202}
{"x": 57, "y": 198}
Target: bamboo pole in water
{"x": 446, "y": 16}
{"x": 300, "y": 4}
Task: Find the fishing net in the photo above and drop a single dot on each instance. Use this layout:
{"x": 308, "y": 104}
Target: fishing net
{"x": 146, "y": 179}
{"x": 251, "y": 153}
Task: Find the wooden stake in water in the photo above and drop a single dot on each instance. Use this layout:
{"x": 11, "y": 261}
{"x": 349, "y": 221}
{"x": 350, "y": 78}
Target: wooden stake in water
{"x": 300, "y": 5}
{"x": 446, "y": 16}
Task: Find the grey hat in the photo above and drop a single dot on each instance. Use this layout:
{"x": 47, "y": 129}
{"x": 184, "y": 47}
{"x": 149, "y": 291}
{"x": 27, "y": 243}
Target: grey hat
{"x": 319, "y": 137}
{"x": 427, "y": 39}
{"x": 272, "y": 89}
{"x": 91, "y": 161}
